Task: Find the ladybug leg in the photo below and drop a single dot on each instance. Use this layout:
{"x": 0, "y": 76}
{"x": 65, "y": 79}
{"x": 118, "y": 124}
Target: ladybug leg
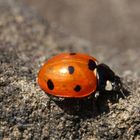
{"x": 97, "y": 94}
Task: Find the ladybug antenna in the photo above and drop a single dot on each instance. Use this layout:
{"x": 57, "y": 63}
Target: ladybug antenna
{"x": 118, "y": 85}
{"x": 121, "y": 90}
{"x": 127, "y": 87}
{"x": 124, "y": 89}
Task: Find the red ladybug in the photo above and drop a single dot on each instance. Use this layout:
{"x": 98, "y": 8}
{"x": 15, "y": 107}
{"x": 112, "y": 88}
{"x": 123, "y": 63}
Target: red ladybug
{"x": 75, "y": 75}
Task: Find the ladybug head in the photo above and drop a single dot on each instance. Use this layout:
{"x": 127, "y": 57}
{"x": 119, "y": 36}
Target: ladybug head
{"x": 116, "y": 84}
{"x": 107, "y": 80}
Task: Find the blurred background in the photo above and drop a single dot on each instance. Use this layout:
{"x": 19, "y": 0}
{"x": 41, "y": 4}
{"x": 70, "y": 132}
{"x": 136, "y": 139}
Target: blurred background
{"x": 104, "y": 23}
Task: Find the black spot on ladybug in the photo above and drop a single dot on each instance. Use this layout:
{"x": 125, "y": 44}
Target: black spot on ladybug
{"x": 77, "y": 88}
{"x": 91, "y": 64}
{"x": 72, "y": 53}
{"x": 71, "y": 69}
{"x": 50, "y": 84}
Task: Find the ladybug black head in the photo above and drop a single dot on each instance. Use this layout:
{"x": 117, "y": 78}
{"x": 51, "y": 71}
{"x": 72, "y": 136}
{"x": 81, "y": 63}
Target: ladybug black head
{"x": 107, "y": 80}
{"x": 116, "y": 84}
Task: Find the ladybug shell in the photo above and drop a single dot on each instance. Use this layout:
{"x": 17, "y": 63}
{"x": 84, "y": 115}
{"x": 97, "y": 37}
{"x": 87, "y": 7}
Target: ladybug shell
{"x": 70, "y": 75}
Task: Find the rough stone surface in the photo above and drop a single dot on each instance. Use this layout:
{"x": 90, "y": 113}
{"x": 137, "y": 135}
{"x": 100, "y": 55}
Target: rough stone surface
{"x": 26, "y": 41}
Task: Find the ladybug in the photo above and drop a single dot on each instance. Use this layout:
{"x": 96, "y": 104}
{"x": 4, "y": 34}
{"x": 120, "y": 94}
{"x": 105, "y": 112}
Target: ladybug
{"x": 76, "y": 75}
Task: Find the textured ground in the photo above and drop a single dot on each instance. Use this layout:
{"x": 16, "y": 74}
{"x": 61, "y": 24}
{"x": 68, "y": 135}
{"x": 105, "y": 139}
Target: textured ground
{"x": 26, "y": 40}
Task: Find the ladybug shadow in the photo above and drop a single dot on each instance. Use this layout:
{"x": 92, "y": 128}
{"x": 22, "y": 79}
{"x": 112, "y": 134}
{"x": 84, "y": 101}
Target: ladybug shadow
{"x": 90, "y": 107}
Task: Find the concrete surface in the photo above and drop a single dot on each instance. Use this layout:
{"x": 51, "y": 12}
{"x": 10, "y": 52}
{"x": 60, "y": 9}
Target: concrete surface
{"x": 26, "y": 41}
